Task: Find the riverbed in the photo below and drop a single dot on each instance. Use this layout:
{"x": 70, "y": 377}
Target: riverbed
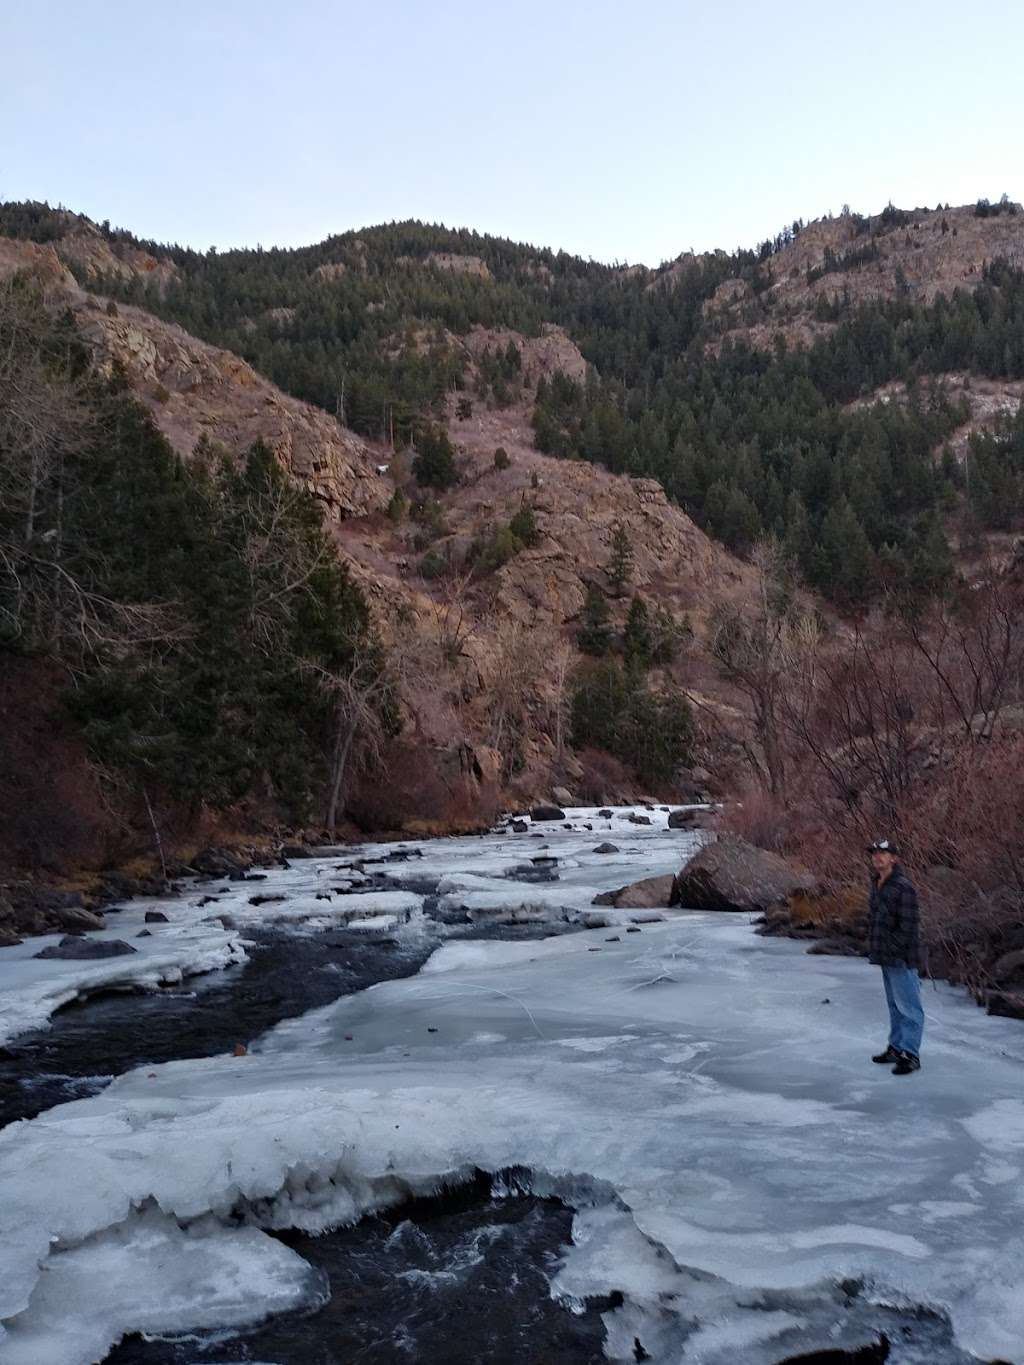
{"x": 530, "y": 1130}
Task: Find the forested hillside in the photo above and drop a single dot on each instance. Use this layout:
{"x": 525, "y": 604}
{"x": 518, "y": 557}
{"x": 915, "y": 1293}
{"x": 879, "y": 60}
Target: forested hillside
{"x": 750, "y": 440}
{"x": 220, "y": 599}
{"x": 200, "y": 618}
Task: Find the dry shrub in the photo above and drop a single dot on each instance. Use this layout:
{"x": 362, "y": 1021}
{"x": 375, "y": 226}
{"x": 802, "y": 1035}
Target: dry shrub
{"x": 604, "y": 778}
{"x": 840, "y": 911}
{"x": 410, "y": 790}
{"x": 760, "y": 818}
{"x": 965, "y": 832}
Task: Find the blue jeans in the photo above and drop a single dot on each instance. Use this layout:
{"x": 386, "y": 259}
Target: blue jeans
{"x": 906, "y": 1013}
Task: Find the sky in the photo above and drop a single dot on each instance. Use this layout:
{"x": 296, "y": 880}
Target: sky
{"x": 623, "y": 132}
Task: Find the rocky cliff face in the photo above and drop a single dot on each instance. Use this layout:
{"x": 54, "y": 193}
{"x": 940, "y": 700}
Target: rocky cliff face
{"x": 934, "y": 251}
{"x": 195, "y": 390}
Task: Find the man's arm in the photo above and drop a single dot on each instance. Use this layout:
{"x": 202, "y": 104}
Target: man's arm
{"x": 908, "y": 918}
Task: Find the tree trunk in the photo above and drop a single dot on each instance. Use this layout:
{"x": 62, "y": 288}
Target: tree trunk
{"x": 342, "y": 748}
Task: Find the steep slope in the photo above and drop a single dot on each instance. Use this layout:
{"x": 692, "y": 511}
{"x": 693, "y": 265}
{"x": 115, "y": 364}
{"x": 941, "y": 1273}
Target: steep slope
{"x": 470, "y": 737}
{"x": 196, "y": 391}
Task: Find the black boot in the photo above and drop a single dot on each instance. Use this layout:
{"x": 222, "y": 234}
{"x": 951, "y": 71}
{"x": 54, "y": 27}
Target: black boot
{"x": 906, "y": 1064}
{"x": 890, "y": 1054}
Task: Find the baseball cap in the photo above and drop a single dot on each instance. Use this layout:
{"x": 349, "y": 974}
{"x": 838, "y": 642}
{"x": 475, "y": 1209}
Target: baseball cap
{"x": 884, "y": 846}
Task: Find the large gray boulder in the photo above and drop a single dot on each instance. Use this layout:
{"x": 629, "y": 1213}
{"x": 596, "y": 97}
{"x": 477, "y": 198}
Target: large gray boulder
{"x": 82, "y": 949}
{"x": 540, "y": 813}
{"x": 562, "y": 796}
{"x": 650, "y": 894}
{"x": 731, "y": 874}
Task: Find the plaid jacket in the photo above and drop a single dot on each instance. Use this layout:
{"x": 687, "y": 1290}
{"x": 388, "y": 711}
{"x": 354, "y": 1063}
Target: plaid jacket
{"x": 893, "y": 922}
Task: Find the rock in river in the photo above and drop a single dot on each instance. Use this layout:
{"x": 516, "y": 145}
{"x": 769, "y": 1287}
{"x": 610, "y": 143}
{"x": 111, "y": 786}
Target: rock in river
{"x": 540, "y": 813}
{"x": 79, "y": 949}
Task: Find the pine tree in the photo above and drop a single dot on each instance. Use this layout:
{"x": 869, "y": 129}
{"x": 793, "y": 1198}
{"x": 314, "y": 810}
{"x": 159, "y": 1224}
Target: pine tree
{"x": 797, "y": 542}
{"x": 594, "y": 635}
{"x": 524, "y": 527}
{"x": 620, "y": 565}
{"x": 666, "y": 636}
{"x": 434, "y": 463}
{"x": 847, "y": 560}
{"x": 637, "y": 645}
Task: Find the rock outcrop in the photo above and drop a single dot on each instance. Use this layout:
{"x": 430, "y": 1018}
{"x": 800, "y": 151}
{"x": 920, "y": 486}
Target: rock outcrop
{"x": 731, "y": 874}
{"x": 195, "y": 390}
{"x": 649, "y": 894}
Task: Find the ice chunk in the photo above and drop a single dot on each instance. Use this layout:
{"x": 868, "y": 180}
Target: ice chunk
{"x": 150, "y": 1275}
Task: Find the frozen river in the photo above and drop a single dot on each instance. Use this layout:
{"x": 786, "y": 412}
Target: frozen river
{"x": 746, "y": 1185}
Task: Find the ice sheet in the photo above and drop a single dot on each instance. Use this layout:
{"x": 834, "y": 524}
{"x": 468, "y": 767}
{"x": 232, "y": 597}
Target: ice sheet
{"x": 716, "y": 1086}
{"x": 703, "y": 1097}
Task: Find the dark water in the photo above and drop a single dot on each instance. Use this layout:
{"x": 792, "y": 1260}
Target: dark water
{"x": 458, "y": 1280}
{"x": 90, "y": 1043}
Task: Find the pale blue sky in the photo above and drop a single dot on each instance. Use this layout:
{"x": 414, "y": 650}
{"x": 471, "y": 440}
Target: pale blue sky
{"x": 628, "y": 132}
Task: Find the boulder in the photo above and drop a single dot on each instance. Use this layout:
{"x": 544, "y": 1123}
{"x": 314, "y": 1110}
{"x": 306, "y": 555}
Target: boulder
{"x": 1007, "y": 1004}
{"x": 605, "y": 813}
{"x": 649, "y": 894}
{"x": 1009, "y": 967}
{"x": 217, "y": 862}
{"x": 28, "y": 909}
{"x": 519, "y": 826}
{"x": 77, "y": 919}
{"x": 606, "y": 848}
{"x": 540, "y": 813}
{"x": 119, "y": 886}
{"x": 640, "y": 819}
{"x": 81, "y": 949}
{"x": 156, "y": 917}
{"x": 685, "y": 818}
{"x": 296, "y": 851}
{"x": 266, "y": 900}
{"x": 561, "y": 796}
{"x": 731, "y": 874}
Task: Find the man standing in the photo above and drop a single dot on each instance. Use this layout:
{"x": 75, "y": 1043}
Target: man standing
{"x": 893, "y": 946}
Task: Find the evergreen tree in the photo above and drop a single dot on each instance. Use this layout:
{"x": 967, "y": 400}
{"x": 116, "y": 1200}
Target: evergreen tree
{"x": 434, "y": 463}
{"x": 594, "y": 635}
{"x": 615, "y": 711}
{"x": 845, "y": 562}
{"x": 524, "y": 527}
{"x": 637, "y": 642}
{"x": 666, "y": 636}
{"x": 620, "y": 564}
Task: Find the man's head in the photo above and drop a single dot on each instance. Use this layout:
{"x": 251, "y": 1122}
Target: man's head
{"x": 884, "y": 855}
